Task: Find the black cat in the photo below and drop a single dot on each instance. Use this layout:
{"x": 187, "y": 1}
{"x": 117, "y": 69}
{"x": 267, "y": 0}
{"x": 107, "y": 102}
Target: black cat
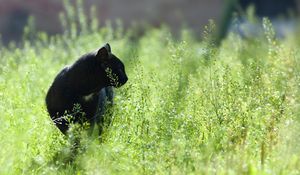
{"x": 86, "y": 84}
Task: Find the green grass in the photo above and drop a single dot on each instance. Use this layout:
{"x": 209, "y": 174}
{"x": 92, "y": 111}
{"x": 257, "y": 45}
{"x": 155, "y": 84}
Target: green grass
{"x": 188, "y": 107}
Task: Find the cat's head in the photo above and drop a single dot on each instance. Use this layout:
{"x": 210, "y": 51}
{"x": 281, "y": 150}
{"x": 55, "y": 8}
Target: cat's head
{"x": 113, "y": 67}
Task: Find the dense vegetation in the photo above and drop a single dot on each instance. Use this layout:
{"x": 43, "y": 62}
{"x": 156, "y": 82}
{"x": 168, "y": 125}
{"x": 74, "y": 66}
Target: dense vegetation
{"x": 189, "y": 107}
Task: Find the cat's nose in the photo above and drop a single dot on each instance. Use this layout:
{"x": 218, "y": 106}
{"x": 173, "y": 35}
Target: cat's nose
{"x": 122, "y": 82}
{"x": 125, "y": 80}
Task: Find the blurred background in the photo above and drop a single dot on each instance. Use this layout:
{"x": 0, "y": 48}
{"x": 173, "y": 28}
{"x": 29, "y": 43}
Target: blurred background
{"x": 193, "y": 14}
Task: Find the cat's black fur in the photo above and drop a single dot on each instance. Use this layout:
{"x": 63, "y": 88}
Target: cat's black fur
{"x": 87, "y": 83}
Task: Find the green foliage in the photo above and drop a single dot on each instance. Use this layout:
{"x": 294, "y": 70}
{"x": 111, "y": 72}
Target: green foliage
{"x": 188, "y": 107}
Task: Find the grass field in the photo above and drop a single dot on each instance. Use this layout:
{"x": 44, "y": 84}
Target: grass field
{"x": 188, "y": 108}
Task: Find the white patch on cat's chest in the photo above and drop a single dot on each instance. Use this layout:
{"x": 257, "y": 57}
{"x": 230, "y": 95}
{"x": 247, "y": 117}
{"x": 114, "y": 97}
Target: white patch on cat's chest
{"x": 88, "y": 97}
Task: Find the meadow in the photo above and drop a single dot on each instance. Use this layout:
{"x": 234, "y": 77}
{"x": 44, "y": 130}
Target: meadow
{"x": 189, "y": 107}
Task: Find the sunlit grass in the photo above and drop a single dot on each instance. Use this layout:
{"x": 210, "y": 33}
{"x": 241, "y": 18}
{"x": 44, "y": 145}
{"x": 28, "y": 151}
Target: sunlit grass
{"x": 188, "y": 107}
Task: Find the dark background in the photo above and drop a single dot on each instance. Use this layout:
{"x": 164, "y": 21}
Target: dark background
{"x": 175, "y": 13}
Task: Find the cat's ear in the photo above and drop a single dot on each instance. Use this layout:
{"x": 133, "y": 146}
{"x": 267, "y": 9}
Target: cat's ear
{"x": 107, "y": 46}
{"x": 103, "y": 53}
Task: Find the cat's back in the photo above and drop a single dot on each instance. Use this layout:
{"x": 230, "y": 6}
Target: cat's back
{"x": 57, "y": 87}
